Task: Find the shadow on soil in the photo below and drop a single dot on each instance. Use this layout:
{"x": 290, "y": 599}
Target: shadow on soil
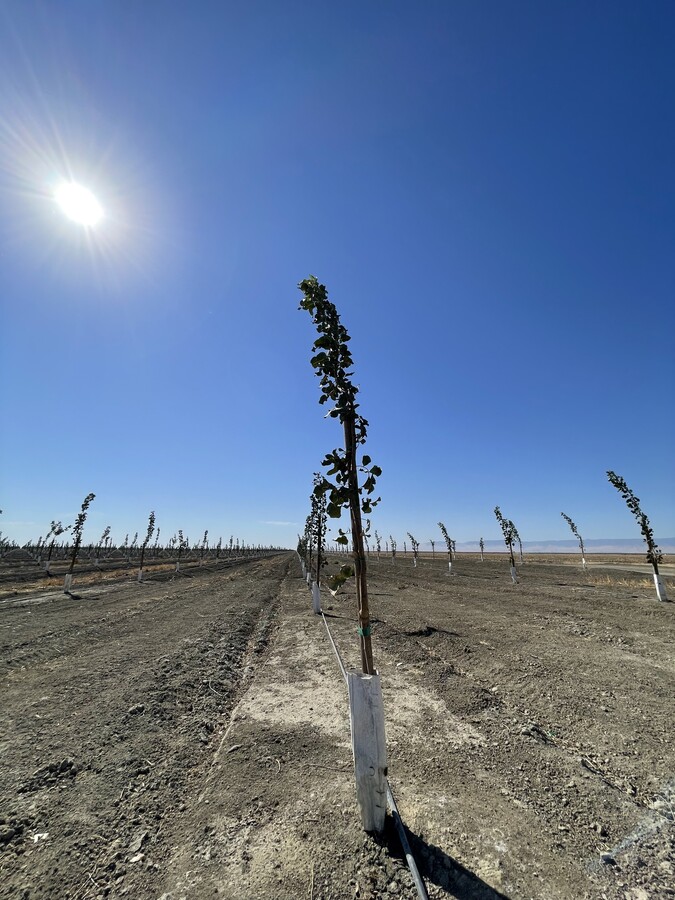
{"x": 436, "y": 867}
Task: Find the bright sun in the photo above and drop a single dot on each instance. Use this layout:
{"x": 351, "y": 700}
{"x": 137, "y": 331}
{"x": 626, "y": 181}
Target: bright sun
{"x": 78, "y": 204}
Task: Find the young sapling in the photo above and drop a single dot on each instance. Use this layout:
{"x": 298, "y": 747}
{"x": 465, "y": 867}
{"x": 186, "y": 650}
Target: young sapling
{"x": 516, "y": 537}
{"x": 366, "y": 535}
{"x": 448, "y": 543}
{"x": 102, "y": 542}
{"x": 181, "y": 545}
{"x": 576, "y": 534}
{"x": 146, "y": 541}
{"x": 481, "y": 544}
{"x": 392, "y": 544}
{"x": 54, "y": 532}
{"x": 317, "y": 531}
{"x": 332, "y": 362}
{"x": 508, "y": 530}
{"x": 77, "y": 540}
{"x": 132, "y": 547}
{"x": 415, "y": 548}
{"x": 654, "y": 555}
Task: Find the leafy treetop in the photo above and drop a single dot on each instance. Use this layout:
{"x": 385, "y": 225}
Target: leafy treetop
{"x": 332, "y": 362}
{"x": 654, "y": 555}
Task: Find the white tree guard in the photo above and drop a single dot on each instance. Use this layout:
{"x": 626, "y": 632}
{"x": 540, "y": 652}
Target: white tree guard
{"x": 68, "y": 582}
{"x": 140, "y": 575}
{"x": 449, "y": 567}
{"x": 316, "y": 598}
{"x": 514, "y": 575}
{"x": 583, "y": 562}
{"x": 660, "y": 589}
{"x": 366, "y": 718}
{"x": 308, "y": 579}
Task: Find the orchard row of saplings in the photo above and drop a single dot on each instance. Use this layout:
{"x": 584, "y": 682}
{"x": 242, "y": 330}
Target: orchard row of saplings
{"x": 314, "y": 528}
{"x": 178, "y": 549}
{"x": 311, "y": 545}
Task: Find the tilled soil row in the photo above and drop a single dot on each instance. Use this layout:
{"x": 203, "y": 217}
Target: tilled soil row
{"x": 27, "y": 579}
{"x": 110, "y": 706}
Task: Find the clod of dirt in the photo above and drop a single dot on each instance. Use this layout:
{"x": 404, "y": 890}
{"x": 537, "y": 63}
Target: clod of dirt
{"x": 47, "y": 775}
{"x": 137, "y": 841}
{"x": 535, "y": 731}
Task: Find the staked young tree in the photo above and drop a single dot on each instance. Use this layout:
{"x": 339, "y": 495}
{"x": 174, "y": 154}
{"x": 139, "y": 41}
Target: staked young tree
{"x": 378, "y": 544}
{"x": 55, "y": 531}
{"x": 448, "y": 543}
{"x": 481, "y": 544}
{"x": 332, "y": 362}
{"x": 182, "y": 545}
{"x": 317, "y": 526}
{"x": 77, "y": 529}
{"x": 102, "y": 541}
{"x": 393, "y": 545}
{"x": 520, "y": 543}
{"x": 576, "y": 534}
{"x": 508, "y": 530}
{"x": 415, "y": 548}
{"x": 146, "y": 541}
{"x": 654, "y": 555}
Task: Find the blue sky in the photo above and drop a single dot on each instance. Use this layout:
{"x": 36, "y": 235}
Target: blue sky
{"x": 486, "y": 188}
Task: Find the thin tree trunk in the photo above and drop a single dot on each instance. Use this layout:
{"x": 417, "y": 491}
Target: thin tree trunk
{"x": 358, "y": 548}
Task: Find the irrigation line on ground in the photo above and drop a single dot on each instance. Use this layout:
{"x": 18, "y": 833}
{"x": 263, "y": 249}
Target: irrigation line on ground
{"x": 412, "y": 865}
{"x": 330, "y": 638}
{"x": 398, "y": 822}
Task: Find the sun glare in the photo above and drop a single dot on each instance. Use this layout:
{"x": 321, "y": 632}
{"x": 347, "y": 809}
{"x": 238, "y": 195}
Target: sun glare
{"x": 78, "y": 204}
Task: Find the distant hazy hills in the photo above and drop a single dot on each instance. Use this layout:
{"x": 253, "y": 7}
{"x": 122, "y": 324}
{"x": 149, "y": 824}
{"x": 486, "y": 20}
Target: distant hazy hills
{"x": 603, "y": 545}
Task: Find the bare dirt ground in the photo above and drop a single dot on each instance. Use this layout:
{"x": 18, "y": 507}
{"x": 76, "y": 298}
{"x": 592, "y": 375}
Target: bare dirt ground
{"x": 189, "y": 737}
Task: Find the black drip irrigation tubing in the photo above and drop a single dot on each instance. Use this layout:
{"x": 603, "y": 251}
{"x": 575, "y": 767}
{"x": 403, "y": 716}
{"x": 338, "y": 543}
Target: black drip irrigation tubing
{"x": 398, "y": 822}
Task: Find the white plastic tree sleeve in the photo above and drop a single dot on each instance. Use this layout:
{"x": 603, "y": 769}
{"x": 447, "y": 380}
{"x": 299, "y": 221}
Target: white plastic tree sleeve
{"x": 366, "y": 717}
